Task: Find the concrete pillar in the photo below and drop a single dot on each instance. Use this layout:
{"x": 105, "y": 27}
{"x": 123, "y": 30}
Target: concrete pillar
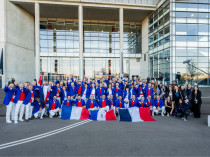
{"x": 145, "y": 44}
{"x": 37, "y": 40}
{"x": 121, "y": 39}
{"x": 80, "y": 13}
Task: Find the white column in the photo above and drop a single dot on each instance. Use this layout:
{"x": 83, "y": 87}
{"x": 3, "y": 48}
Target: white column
{"x": 37, "y": 39}
{"x": 80, "y": 13}
{"x": 121, "y": 39}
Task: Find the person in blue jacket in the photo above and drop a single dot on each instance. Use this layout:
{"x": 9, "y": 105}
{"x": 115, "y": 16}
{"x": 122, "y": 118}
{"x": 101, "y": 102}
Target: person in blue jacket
{"x": 79, "y": 102}
{"x": 39, "y": 108}
{"x": 149, "y": 91}
{"x": 28, "y": 102}
{"x": 143, "y": 102}
{"x": 72, "y": 90}
{"x": 19, "y": 98}
{"x": 64, "y": 94}
{"x": 85, "y": 93}
{"x": 150, "y": 101}
{"x": 158, "y": 106}
{"x": 91, "y": 104}
{"x": 10, "y": 91}
{"x": 100, "y": 91}
{"x": 134, "y": 102}
{"x": 119, "y": 103}
{"x": 103, "y": 102}
{"x": 54, "y": 107}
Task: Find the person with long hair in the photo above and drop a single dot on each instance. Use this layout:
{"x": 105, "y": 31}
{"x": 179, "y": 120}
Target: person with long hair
{"x": 169, "y": 105}
{"x": 196, "y": 101}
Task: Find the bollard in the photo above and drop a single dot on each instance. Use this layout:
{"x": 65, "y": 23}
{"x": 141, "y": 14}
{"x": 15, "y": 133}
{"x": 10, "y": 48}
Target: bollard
{"x": 208, "y": 120}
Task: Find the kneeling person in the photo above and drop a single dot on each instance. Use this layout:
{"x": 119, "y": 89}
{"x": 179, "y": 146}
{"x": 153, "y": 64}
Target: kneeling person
{"x": 39, "y": 108}
{"x": 92, "y": 104}
{"x": 158, "y": 106}
{"x": 54, "y": 107}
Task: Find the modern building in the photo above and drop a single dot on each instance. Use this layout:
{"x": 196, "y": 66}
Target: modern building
{"x": 105, "y": 38}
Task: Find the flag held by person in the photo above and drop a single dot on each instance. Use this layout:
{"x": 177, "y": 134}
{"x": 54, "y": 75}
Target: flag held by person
{"x": 135, "y": 114}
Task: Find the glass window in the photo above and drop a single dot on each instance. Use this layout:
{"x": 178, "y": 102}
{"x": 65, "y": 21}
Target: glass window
{"x": 192, "y": 29}
{"x": 202, "y": 29}
{"x": 181, "y": 29}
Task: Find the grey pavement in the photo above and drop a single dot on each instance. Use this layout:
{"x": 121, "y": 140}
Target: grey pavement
{"x": 168, "y": 136}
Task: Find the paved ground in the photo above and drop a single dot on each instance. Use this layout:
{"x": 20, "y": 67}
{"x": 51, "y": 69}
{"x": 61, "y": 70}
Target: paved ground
{"x": 167, "y": 136}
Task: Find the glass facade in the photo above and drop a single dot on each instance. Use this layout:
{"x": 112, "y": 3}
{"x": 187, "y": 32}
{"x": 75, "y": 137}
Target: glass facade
{"x": 159, "y": 39}
{"x": 190, "y": 40}
{"x": 179, "y": 31}
{"x": 59, "y": 46}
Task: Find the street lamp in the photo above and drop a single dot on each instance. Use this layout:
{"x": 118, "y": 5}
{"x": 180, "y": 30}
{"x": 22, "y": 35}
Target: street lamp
{"x": 188, "y": 62}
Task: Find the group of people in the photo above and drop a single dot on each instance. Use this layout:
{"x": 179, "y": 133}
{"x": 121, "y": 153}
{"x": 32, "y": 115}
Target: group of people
{"x": 47, "y": 98}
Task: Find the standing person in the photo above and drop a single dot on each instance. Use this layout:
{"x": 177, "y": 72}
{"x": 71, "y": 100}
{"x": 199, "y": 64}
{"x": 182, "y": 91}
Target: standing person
{"x": 8, "y": 100}
{"x": 85, "y": 93}
{"x": 196, "y": 101}
{"x": 93, "y": 91}
{"x": 64, "y": 94}
{"x": 28, "y": 102}
{"x": 19, "y": 98}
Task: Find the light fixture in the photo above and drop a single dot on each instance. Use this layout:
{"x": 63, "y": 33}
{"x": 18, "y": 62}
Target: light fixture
{"x": 102, "y": 30}
{"x": 70, "y": 29}
{"x": 192, "y": 15}
{"x": 54, "y": 29}
{"x": 131, "y": 32}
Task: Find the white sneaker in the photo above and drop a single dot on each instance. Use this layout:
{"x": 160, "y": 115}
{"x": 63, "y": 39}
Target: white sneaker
{"x": 162, "y": 115}
{"x": 153, "y": 114}
{"x": 41, "y": 118}
{"x": 50, "y": 116}
{"x": 21, "y": 120}
{"x": 16, "y": 122}
{"x": 9, "y": 121}
{"x": 185, "y": 119}
{"x": 168, "y": 115}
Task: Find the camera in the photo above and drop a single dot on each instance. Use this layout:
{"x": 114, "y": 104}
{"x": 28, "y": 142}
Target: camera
{"x": 11, "y": 80}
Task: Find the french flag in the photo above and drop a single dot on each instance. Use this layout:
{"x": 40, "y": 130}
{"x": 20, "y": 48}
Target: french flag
{"x": 102, "y": 115}
{"x": 74, "y": 113}
{"x": 40, "y": 80}
{"x": 46, "y": 92}
{"x": 135, "y": 114}
{"x": 81, "y": 113}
